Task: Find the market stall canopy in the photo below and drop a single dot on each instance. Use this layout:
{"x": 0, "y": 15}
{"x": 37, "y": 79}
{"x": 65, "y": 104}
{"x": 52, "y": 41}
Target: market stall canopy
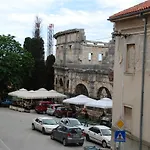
{"x": 38, "y": 94}
{"x": 79, "y": 100}
{"x": 104, "y": 103}
{"x": 55, "y": 94}
{"x": 15, "y": 93}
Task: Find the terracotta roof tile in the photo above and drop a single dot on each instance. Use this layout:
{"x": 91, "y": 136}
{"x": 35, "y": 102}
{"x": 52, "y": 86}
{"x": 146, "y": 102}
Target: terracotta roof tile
{"x": 137, "y": 8}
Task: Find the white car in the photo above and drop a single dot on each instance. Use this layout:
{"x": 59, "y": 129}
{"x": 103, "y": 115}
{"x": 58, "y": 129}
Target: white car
{"x": 44, "y": 124}
{"x": 100, "y": 134}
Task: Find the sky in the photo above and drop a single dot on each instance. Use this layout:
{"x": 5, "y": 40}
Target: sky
{"x": 18, "y": 16}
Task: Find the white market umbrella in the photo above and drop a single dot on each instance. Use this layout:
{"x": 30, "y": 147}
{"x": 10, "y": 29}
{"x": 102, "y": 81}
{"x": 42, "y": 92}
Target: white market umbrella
{"x": 55, "y": 94}
{"x": 15, "y": 93}
{"x": 79, "y": 100}
{"x": 104, "y": 103}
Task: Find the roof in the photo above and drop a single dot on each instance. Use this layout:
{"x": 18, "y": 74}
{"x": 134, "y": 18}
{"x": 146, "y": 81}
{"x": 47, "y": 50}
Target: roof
{"x": 45, "y": 118}
{"x": 101, "y": 127}
{"x": 142, "y": 7}
{"x": 61, "y": 33}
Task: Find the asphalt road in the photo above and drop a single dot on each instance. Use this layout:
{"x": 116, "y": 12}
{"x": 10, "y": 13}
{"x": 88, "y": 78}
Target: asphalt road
{"x": 16, "y": 133}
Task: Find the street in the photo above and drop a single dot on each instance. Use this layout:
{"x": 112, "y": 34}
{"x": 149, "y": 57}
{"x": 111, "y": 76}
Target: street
{"x": 16, "y": 133}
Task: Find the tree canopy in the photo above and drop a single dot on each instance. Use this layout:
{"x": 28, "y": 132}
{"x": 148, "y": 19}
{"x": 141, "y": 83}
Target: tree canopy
{"x": 16, "y": 64}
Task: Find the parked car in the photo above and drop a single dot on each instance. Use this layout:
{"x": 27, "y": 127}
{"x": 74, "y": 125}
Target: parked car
{"x": 100, "y": 134}
{"x": 51, "y": 108}
{"x": 106, "y": 121}
{"x": 72, "y": 122}
{"x": 62, "y": 112}
{"x": 44, "y": 124}
{"x": 68, "y": 135}
{"x": 41, "y": 107}
{"x": 6, "y": 102}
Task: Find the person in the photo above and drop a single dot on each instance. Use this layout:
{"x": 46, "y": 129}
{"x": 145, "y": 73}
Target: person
{"x": 86, "y": 117}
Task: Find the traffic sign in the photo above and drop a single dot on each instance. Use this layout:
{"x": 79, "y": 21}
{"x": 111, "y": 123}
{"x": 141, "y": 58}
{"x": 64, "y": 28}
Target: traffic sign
{"x": 120, "y": 124}
{"x": 120, "y": 136}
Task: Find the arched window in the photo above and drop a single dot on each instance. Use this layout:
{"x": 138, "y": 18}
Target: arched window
{"x": 61, "y": 82}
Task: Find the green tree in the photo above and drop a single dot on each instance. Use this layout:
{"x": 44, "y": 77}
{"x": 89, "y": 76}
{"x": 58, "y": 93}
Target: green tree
{"x": 50, "y": 72}
{"x": 16, "y": 64}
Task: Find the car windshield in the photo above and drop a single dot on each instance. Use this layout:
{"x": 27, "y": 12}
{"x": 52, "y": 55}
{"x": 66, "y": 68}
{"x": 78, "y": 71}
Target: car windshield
{"x": 49, "y": 122}
{"x": 74, "y": 122}
{"x": 106, "y": 132}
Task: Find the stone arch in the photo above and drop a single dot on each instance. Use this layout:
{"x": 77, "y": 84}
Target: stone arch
{"x": 81, "y": 89}
{"x": 103, "y": 92}
{"x": 61, "y": 82}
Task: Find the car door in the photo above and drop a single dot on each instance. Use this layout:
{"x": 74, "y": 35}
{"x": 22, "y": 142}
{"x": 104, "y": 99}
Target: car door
{"x": 36, "y": 123}
{"x": 40, "y": 125}
{"x": 92, "y": 132}
{"x": 97, "y": 135}
{"x": 59, "y": 133}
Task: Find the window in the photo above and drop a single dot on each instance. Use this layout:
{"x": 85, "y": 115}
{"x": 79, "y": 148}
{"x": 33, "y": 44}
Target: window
{"x": 95, "y": 130}
{"x": 130, "y": 58}
{"x": 37, "y": 120}
{"x": 61, "y": 82}
{"x": 67, "y": 83}
{"x": 70, "y": 46}
{"x": 61, "y": 47}
{"x": 90, "y": 56}
{"x": 128, "y": 117}
{"x": 100, "y": 57}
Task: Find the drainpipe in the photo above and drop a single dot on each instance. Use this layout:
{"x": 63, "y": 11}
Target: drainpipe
{"x": 143, "y": 81}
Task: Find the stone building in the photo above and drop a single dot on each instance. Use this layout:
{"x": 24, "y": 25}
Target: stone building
{"x": 132, "y": 31}
{"x": 81, "y": 66}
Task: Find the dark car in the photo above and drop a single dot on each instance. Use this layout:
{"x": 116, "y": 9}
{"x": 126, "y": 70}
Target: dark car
{"x": 41, "y": 107}
{"x": 62, "y": 112}
{"x": 68, "y": 135}
{"x": 107, "y": 121}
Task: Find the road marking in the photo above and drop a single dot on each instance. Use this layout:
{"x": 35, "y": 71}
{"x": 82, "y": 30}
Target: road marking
{"x": 5, "y": 145}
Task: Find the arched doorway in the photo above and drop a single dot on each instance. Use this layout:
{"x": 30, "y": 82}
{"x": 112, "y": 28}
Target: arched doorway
{"x": 81, "y": 89}
{"x": 103, "y": 92}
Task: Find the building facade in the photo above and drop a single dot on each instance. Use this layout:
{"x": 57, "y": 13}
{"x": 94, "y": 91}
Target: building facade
{"x": 81, "y": 66}
{"x": 130, "y": 35}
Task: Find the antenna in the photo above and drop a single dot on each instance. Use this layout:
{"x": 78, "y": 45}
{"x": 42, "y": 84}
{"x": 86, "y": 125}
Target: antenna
{"x": 50, "y": 39}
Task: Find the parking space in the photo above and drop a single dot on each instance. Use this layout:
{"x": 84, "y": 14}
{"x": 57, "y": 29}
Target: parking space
{"x": 16, "y": 133}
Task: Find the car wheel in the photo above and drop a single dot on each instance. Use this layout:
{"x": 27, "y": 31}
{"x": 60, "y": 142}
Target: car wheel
{"x": 64, "y": 142}
{"x": 81, "y": 144}
{"x": 43, "y": 131}
{"x": 87, "y": 137}
{"x": 52, "y": 136}
{"x": 33, "y": 127}
{"x": 104, "y": 144}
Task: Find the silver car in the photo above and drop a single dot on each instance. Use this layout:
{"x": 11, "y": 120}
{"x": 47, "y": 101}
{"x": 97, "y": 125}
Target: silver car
{"x": 44, "y": 124}
{"x": 51, "y": 108}
{"x": 68, "y": 135}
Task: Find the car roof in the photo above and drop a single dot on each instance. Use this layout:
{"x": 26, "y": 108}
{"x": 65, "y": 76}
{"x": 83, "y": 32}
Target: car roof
{"x": 70, "y": 127}
{"x": 41, "y": 118}
{"x": 70, "y": 118}
{"x": 101, "y": 127}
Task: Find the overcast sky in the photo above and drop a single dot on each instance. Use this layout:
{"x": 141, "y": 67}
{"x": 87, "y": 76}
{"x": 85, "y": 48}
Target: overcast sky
{"x": 17, "y": 16}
